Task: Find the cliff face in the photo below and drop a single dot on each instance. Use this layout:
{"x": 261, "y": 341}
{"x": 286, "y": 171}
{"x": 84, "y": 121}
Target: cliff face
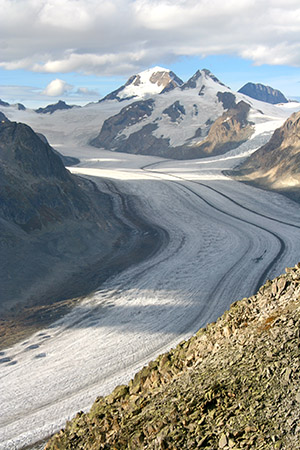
{"x": 234, "y": 385}
{"x": 276, "y": 165}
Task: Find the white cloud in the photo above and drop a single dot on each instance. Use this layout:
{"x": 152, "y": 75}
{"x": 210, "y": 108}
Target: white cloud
{"x": 91, "y": 63}
{"x": 108, "y": 37}
{"x": 57, "y": 88}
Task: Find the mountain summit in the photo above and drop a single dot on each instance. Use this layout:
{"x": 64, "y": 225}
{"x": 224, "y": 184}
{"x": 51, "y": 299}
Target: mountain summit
{"x": 264, "y": 93}
{"x": 149, "y": 82}
{"x": 201, "y": 79}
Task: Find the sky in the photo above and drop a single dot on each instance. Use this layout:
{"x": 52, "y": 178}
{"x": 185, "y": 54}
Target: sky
{"x": 80, "y": 50}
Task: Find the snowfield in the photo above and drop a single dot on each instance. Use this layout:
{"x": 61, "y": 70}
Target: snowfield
{"x": 223, "y": 239}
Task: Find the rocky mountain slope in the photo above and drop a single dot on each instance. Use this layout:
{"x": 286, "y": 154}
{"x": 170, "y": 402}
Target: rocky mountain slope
{"x": 263, "y": 93}
{"x": 57, "y": 230}
{"x": 234, "y": 385}
{"x": 276, "y": 165}
{"x": 228, "y": 131}
{"x": 199, "y": 118}
{"x": 147, "y": 83}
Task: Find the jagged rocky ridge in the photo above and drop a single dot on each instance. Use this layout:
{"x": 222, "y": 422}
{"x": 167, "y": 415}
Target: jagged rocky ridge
{"x": 234, "y": 385}
{"x": 60, "y": 105}
{"x": 263, "y": 93}
{"x": 200, "y": 118}
{"x": 276, "y": 165}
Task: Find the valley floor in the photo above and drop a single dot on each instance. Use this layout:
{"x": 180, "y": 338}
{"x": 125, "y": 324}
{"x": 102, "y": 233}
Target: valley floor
{"x": 222, "y": 240}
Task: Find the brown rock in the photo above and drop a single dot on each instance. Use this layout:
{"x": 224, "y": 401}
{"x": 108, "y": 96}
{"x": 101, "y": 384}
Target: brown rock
{"x": 223, "y": 441}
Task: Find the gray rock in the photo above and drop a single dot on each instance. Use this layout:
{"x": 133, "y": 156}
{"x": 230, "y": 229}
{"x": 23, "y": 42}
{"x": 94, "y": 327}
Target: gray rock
{"x": 174, "y": 111}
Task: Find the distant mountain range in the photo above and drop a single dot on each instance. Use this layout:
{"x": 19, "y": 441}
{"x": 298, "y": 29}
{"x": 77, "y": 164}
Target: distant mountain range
{"x": 166, "y": 117}
{"x": 190, "y": 120}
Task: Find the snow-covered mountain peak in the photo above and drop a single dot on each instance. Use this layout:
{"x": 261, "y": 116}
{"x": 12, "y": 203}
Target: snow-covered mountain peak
{"x": 146, "y": 84}
{"x": 149, "y": 82}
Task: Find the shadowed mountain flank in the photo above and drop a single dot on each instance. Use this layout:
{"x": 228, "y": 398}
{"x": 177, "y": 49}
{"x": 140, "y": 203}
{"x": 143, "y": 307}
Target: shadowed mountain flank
{"x": 112, "y": 127}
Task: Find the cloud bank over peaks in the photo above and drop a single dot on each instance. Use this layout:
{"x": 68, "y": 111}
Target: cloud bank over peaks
{"x": 57, "y": 88}
{"x": 111, "y": 37}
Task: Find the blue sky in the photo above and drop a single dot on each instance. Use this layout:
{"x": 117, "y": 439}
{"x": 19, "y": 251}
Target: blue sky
{"x": 79, "y": 50}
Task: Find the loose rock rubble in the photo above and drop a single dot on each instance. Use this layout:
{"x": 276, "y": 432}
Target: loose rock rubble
{"x": 234, "y": 385}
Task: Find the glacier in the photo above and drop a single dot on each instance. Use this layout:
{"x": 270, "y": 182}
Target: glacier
{"x": 222, "y": 240}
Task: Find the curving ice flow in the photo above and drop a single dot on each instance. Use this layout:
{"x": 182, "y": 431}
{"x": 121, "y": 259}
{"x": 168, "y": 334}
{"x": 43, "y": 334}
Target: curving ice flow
{"x": 222, "y": 239}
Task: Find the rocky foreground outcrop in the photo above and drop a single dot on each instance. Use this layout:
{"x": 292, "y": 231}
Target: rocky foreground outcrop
{"x": 234, "y": 385}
